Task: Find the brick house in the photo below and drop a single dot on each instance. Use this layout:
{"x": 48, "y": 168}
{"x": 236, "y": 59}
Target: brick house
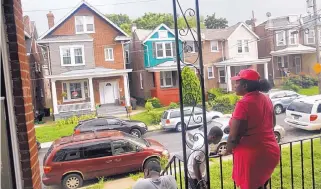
{"x": 36, "y": 60}
{"x": 87, "y": 63}
{"x": 289, "y": 42}
{"x": 19, "y": 153}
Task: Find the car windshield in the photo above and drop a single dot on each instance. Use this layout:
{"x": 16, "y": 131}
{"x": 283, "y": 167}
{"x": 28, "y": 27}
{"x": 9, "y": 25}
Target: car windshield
{"x": 300, "y": 107}
{"x": 138, "y": 141}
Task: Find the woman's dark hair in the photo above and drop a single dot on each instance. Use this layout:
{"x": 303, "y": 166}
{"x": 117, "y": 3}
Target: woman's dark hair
{"x": 263, "y": 85}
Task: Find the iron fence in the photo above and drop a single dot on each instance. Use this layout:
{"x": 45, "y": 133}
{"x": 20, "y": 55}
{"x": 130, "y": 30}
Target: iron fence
{"x": 299, "y": 167}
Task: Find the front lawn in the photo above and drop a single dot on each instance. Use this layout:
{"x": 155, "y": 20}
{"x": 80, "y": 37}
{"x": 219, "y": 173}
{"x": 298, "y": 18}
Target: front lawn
{"x": 51, "y": 133}
{"x": 146, "y": 117}
{"x": 309, "y": 91}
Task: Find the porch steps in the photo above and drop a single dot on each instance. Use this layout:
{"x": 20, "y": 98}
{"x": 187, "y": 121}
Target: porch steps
{"x": 111, "y": 110}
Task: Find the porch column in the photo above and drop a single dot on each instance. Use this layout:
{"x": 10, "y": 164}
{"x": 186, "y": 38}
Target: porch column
{"x": 91, "y": 91}
{"x": 126, "y": 90}
{"x": 54, "y": 96}
{"x": 228, "y": 78}
{"x": 266, "y": 71}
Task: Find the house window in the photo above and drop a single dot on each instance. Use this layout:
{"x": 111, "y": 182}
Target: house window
{"x": 166, "y": 79}
{"x": 293, "y": 37}
{"x": 214, "y": 46}
{"x": 246, "y": 45}
{"x": 127, "y": 57}
{"x": 164, "y": 50}
{"x": 221, "y": 73}
{"x": 190, "y": 46}
{"x": 282, "y": 62}
{"x": 310, "y": 37}
{"x": 109, "y": 54}
{"x": 141, "y": 80}
{"x": 72, "y": 55}
{"x": 84, "y": 24}
{"x": 242, "y": 46}
{"x": 280, "y": 38}
{"x": 162, "y": 34}
{"x": 210, "y": 72}
{"x": 74, "y": 91}
{"x": 239, "y": 46}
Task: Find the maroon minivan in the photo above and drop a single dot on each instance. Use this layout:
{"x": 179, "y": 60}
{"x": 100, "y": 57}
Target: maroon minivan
{"x": 73, "y": 159}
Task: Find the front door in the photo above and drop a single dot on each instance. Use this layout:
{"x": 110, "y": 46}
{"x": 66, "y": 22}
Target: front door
{"x": 297, "y": 63}
{"x": 107, "y": 93}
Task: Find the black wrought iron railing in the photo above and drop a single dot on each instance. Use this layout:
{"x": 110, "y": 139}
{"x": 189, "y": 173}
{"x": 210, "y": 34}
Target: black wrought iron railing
{"x": 299, "y": 167}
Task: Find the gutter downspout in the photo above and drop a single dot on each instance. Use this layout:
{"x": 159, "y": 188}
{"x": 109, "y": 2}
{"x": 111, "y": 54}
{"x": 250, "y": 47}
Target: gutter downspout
{"x": 147, "y": 54}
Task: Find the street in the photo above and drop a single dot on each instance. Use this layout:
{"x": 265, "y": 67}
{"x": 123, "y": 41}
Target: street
{"x": 173, "y": 140}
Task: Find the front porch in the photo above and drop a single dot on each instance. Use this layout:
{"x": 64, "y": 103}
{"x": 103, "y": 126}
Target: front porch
{"x": 231, "y": 67}
{"x": 80, "y": 92}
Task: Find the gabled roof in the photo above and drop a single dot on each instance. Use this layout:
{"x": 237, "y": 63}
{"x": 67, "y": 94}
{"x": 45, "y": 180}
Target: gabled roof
{"x": 74, "y": 10}
{"x": 156, "y": 29}
{"x": 142, "y": 34}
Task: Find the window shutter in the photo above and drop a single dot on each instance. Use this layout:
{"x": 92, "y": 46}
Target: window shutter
{"x": 174, "y": 48}
{"x": 154, "y": 49}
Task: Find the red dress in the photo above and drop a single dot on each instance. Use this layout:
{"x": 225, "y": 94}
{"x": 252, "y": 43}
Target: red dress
{"x": 258, "y": 153}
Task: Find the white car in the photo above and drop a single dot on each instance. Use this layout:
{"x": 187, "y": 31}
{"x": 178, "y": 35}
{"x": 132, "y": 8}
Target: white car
{"x": 305, "y": 113}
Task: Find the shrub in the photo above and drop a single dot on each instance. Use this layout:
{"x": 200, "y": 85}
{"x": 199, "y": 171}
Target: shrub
{"x": 289, "y": 85}
{"x": 173, "y": 105}
{"x": 149, "y": 106}
{"x": 155, "y": 102}
{"x": 224, "y": 104}
{"x": 214, "y": 92}
{"x": 191, "y": 87}
{"x": 156, "y": 116}
{"x": 304, "y": 81}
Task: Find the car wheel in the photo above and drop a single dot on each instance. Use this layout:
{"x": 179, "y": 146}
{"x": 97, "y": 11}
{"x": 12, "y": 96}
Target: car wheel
{"x": 150, "y": 160}
{"x": 136, "y": 133}
{"x": 221, "y": 150}
{"x": 278, "y": 109}
{"x": 277, "y": 136}
{"x": 179, "y": 127}
{"x": 72, "y": 181}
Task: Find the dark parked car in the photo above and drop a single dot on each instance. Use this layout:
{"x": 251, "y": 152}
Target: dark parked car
{"x": 73, "y": 159}
{"x": 135, "y": 128}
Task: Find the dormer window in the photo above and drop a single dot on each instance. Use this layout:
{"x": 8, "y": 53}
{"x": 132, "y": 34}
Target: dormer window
{"x": 84, "y": 24}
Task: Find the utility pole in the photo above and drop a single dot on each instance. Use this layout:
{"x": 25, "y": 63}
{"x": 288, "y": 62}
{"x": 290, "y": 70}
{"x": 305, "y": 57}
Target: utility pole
{"x": 317, "y": 38}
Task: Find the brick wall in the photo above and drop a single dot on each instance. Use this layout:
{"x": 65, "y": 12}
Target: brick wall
{"x": 22, "y": 95}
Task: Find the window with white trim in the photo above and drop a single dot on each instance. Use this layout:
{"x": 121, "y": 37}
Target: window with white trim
{"x": 164, "y": 50}
{"x": 242, "y": 46}
{"x": 141, "y": 80}
{"x": 280, "y": 38}
{"x": 162, "y": 34}
{"x": 74, "y": 91}
{"x": 282, "y": 62}
{"x": 310, "y": 38}
{"x": 239, "y": 46}
{"x": 166, "y": 78}
{"x": 190, "y": 47}
{"x": 72, "y": 55}
{"x": 221, "y": 73}
{"x": 214, "y": 46}
{"x": 293, "y": 37}
{"x": 210, "y": 72}
{"x": 246, "y": 45}
{"x": 84, "y": 24}
{"x": 109, "y": 54}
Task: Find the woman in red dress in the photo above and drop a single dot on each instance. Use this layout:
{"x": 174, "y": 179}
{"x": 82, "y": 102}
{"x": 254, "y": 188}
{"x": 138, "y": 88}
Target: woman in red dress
{"x": 251, "y": 139}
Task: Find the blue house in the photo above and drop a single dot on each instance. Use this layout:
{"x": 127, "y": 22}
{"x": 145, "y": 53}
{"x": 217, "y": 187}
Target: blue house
{"x": 153, "y": 60}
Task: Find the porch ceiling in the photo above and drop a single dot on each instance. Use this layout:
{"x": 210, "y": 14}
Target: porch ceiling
{"x": 167, "y": 66}
{"x": 300, "y": 49}
{"x": 241, "y": 62}
{"x": 94, "y": 73}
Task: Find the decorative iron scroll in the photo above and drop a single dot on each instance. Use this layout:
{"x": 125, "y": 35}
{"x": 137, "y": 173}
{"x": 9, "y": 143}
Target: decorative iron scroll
{"x": 202, "y": 150}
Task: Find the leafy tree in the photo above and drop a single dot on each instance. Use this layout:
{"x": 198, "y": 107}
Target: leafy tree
{"x": 151, "y": 20}
{"x": 191, "y": 21}
{"x": 211, "y": 22}
{"x": 121, "y": 20}
{"x": 191, "y": 87}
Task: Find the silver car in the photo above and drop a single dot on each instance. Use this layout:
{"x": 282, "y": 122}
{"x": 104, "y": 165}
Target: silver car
{"x": 171, "y": 118}
{"x": 223, "y": 122}
{"x": 282, "y": 99}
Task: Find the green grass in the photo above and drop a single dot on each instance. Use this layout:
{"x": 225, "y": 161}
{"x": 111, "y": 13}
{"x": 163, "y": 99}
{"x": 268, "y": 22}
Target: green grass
{"x": 136, "y": 176}
{"x": 145, "y": 117}
{"x": 51, "y": 133}
{"x": 310, "y": 91}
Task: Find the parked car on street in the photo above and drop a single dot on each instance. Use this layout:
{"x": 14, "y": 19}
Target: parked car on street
{"x": 305, "y": 113}
{"x": 171, "y": 118}
{"x": 135, "y": 128}
{"x": 223, "y": 122}
{"x": 73, "y": 159}
{"x": 281, "y": 99}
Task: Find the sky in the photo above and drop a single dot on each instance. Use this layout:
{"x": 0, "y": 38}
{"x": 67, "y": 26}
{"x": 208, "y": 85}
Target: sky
{"x": 233, "y": 10}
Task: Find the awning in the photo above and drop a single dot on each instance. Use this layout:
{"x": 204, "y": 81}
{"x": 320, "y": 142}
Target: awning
{"x": 95, "y": 73}
{"x": 300, "y": 49}
{"x": 168, "y": 66}
{"x": 241, "y": 62}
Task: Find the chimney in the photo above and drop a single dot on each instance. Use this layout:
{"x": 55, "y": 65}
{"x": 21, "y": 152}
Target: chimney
{"x": 134, "y": 27}
{"x": 51, "y": 19}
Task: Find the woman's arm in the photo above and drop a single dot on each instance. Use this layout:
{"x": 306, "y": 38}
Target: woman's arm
{"x": 234, "y": 135}
{"x": 274, "y": 119}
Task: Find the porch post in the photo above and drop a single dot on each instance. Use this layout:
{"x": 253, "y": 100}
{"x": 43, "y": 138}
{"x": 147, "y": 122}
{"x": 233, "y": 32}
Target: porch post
{"x": 266, "y": 71}
{"x": 92, "y": 96}
{"x": 54, "y": 96}
{"x": 228, "y": 77}
{"x": 127, "y": 95}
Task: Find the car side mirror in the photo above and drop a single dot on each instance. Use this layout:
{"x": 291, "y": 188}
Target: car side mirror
{"x": 138, "y": 149}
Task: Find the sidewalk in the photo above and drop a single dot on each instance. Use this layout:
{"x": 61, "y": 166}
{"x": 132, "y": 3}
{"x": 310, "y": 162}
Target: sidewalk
{"x": 124, "y": 183}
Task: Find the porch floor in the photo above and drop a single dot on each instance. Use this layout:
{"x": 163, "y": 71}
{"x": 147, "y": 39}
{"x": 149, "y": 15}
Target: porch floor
{"x": 111, "y": 110}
